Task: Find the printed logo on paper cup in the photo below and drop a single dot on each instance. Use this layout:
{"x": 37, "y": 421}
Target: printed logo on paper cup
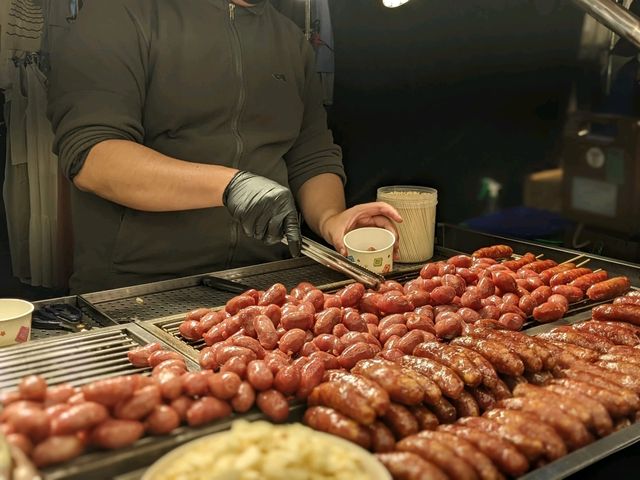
{"x": 23, "y": 334}
{"x": 387, "y": 268}
{"x": 377, "y": 262}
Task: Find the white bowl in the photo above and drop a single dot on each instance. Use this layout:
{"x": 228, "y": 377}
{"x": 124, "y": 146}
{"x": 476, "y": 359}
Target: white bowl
{"x": 15, "y": 321}
{"x": 371, "y": 248}
{"x": 372, "y": 467}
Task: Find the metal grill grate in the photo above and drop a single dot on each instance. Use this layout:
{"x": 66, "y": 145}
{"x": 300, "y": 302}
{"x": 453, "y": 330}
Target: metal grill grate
{"x": 147, "y": 306}
{"x": 75, "y": 359}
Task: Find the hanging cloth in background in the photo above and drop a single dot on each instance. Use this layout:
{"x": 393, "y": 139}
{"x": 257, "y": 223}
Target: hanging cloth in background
{"x": 21, "y": 28}
{"x": 31, "y": 172}
{"x": 43, "y": 182}
{"x": 16, "y": 178}
{"x": 322, "y": 40}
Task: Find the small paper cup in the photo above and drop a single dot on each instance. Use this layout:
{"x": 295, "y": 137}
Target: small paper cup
{"x": 15, "y": 321}
{"x": 371, "y": 248}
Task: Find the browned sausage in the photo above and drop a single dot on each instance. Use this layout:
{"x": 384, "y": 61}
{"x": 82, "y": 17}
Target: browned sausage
{"x": 572, "y": 431}
{"x": 530, "y": 425}
{"x": 401, "y": 387}
{"x": 447, "y": 356}
{"x": 532, "y": 362}
{"x": 489, "y": 374}
{"x": 382, "y": 439}
{"x": 501, "y": 452}
{"x": 330, "y": 421}
{"x": 447, "y": 380}
{"x": 601, "y": 419}
{"x": 465, "y": 405}
{"x": 464, "y": 449}
{"x": 608, "y": 289}
{"x": 585, "y": 340}
{"x": 484, "y": 398}
{"x": 593, "y": 388}
{"x": 426, "y": 419}
{"x": 440, "y": 454}
{"x": 409, "y": 466}
{"x": 617, "y": 313}
{"x": 345, "y": 398}
{"x": 615, "y": 334}
{"x": 569, "y": 406}
{"x": 498, "y": 355}
{"x": 376, "y": 396}
{"x": 444, "y": 411}
{"x": 530, "y": 447}
{"x": 401, "y": 421}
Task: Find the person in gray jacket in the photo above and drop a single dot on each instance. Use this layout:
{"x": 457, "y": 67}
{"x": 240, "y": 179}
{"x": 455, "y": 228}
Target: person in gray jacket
{"x": 193, "y": 132}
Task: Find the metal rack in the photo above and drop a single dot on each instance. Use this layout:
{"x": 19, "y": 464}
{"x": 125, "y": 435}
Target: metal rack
{"x": 153, "y": 312}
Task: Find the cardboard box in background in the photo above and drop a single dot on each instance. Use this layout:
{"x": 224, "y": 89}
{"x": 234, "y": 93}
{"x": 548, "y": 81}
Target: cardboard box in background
{"x": 543, "y": 190}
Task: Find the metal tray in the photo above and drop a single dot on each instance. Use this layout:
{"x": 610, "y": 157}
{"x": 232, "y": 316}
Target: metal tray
{"x": 91, "y": 317}
{"x": 78, "y": 358}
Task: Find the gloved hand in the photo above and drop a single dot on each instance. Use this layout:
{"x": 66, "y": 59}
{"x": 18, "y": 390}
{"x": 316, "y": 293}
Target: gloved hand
{"x": 265, "y": 209}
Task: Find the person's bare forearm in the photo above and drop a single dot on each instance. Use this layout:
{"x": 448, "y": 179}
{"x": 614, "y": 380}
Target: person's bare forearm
{"x": 138, "y": 177}
{"x": 320, "y": 198}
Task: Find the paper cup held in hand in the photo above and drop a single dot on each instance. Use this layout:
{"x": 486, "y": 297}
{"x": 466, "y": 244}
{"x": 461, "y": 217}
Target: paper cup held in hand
{"x": 417, "y": 207}
{"x": 371, "y": 248}
{"x": 15, "y": 321}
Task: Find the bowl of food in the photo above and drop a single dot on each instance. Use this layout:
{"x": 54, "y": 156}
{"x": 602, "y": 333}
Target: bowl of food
{"x": 15, "y": 321}
{"x": 261, "y": 450}
{"x": 371, "y": 247}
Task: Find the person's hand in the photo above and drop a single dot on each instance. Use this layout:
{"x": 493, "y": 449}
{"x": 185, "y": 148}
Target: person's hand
{"x": 375, "y": 214}
{"x": 265, "y": 209}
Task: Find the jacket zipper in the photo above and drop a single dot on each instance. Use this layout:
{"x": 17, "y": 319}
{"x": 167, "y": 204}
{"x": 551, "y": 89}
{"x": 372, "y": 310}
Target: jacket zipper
{"x": 235, "y": 120}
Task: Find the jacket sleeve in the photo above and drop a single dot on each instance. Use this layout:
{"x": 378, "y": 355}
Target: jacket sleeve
{"x": 313, "y": 152}
{"x": 97, "y": 81}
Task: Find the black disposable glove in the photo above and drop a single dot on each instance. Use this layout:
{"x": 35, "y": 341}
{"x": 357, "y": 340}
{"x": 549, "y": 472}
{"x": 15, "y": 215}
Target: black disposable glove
{"x": 265, "y": 209}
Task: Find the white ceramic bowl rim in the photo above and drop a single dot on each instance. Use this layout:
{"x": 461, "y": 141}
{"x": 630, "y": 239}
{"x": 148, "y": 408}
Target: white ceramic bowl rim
{"x": 359, "y": 230}
{"x": 28, "y": 309}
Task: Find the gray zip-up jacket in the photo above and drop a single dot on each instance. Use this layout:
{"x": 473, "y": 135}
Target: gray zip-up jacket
{"x": 198, "y": 80}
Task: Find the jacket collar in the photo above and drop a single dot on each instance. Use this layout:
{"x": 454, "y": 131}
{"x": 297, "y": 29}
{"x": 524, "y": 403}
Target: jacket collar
{"x": 257, "y": 9}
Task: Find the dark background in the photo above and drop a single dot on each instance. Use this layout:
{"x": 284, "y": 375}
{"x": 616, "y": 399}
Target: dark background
{"x": 442, "y": 93}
